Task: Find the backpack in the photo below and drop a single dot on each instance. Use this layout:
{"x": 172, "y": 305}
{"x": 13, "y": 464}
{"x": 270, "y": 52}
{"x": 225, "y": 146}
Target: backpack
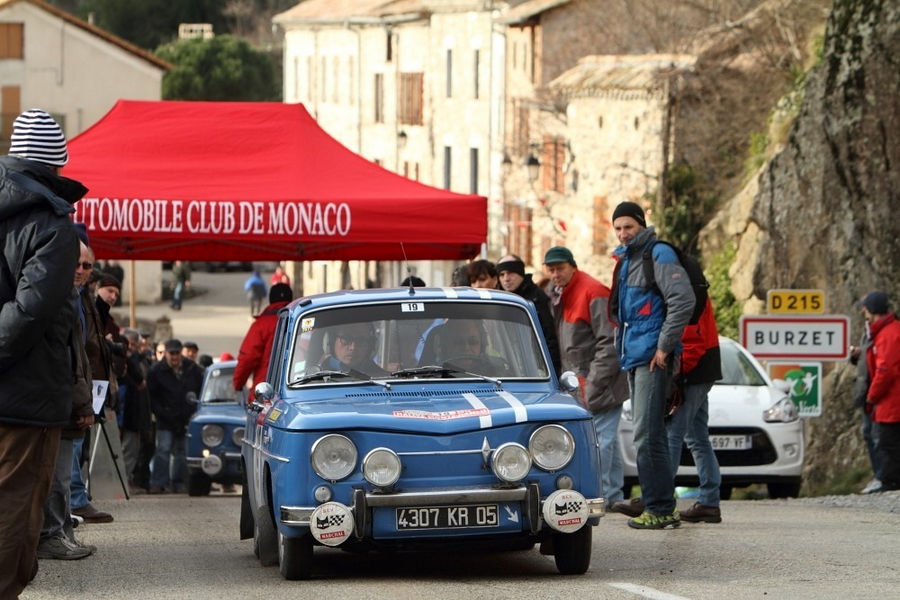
{"x": 698, "y": 280}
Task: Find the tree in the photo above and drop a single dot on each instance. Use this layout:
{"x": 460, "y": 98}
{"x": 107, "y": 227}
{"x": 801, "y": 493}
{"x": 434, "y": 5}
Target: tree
{"x": 221, "y": 68}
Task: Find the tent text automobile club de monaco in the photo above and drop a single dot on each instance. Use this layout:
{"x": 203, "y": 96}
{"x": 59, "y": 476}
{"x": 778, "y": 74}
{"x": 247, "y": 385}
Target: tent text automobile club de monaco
{"x": 223, "y": 217}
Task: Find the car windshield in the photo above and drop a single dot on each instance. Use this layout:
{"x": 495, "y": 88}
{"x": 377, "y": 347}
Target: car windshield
{"x": 410, "y": 339}
{"x": 737, "y": 369}
{"x": 219, "y": 387}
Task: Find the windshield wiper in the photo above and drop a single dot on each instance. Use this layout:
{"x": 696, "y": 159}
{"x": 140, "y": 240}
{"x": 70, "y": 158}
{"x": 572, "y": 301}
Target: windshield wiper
{"x": 319, "y": 375}
{"x": 444, "y": 372}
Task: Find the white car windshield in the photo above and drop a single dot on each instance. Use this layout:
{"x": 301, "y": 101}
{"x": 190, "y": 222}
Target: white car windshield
{"x": 737, "y": 369}
{"x": 409, "y": 339}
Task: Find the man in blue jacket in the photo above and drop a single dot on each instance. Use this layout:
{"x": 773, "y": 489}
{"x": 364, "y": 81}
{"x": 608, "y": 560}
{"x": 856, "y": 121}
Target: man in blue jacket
{"x": 650, "y": 323}
{"x": 37, "y": 324}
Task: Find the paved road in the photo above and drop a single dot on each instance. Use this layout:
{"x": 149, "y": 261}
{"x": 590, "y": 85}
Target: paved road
{"x": 180, "y": 547}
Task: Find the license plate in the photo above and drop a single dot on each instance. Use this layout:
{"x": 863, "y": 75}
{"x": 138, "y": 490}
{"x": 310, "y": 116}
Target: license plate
{"x": 731, "y": 442}
{"x": 448, "y": 517}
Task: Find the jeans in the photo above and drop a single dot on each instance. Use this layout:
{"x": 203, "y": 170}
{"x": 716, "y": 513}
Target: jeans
{"x": 690, "y": 424}
{"x": 169, "y": 462}
{"x": 79, "y": 497}
{"x": 606, "y": 424}
{"x": 177, "y": 294}
{"x": 648, "y": 399}
{"x": 871, "y": 438}
{"x": 56, "y": 509}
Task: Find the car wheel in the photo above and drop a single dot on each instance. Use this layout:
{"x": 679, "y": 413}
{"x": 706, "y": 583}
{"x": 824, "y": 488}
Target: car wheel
{"x": 572, "y": 551}
{"x": 246, "y": 526}
{"x": 295, "y": 556}
{"x": 265, "y": 538}
{"x": 783, "y": 490}
{"x": 198, "y": 484}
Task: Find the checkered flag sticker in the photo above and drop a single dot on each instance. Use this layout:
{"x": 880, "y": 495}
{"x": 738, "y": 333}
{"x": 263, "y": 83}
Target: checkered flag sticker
{"x": 329, "y": 521}
{"x": 569, "y": 507}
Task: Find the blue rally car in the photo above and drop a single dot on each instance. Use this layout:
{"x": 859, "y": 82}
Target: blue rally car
{"x": 416, "y": 419}
{"x": 215, "y": 431}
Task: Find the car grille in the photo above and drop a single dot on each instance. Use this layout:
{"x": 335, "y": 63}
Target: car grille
{"x": 762, "y": 452}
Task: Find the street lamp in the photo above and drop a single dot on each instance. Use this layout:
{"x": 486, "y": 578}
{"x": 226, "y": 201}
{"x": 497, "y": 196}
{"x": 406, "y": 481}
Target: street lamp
{"x": 507, "y": 165}
{"x": 401, "y": 139}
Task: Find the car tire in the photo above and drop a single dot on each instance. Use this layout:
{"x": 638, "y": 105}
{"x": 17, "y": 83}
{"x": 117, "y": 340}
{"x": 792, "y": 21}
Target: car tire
{"x": 246, "y": 526}
{"x": 572, "y": 551}
{"x": 783, "y": 490}
{"x": 198, "y": 484}
{"x": 295, "y": 556}
{"x": 265, "y": 538}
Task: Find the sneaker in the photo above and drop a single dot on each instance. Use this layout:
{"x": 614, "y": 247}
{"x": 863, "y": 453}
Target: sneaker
{"x": 632, "y": 508}
{"x": 76, "y": 542}
{"x": 92, "y": 515}
{"x": 651, "y": 521}
{"x": 60, "y": 548}
{"x": 701, "y": 512}
{"x": 872, "y": 487}
{"x": 76, "y": 521}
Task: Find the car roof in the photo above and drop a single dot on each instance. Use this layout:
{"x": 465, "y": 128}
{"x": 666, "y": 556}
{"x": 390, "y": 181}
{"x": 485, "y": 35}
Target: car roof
{"x": 345, "y": 297}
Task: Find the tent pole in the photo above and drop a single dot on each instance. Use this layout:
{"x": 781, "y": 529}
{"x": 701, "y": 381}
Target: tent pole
{"x": 132, "y": 301}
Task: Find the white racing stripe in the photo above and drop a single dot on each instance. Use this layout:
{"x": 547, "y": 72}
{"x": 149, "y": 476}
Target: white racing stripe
{"x": 517, "y": 406}
{"x": 484, "y": 293}
{"x": 450, "y": 292}
{"x": 645, "y": 592}
{"x": 476, "y": 403}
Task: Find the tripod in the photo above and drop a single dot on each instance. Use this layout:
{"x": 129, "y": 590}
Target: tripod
{"x": 115, "y": 458}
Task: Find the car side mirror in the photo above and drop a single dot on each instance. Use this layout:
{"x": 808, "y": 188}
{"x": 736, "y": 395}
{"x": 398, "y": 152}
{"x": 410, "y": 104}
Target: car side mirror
{"x": 262, "y": 394}
{"x": 569, "y": 381}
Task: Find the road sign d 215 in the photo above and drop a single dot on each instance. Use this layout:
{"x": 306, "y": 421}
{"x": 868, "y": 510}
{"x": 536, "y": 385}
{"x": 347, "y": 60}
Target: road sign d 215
{"x": 811, "y": 337}
{"x": 795, "y": 301}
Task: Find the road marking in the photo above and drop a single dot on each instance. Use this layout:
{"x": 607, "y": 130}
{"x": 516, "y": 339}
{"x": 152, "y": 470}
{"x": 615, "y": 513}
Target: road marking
{"x": 646, "y": 592}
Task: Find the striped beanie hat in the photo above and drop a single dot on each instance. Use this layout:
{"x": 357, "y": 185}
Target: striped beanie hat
{"x": 38, "y": 137}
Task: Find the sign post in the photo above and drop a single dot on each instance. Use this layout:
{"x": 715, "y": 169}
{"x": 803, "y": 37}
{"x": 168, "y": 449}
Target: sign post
{"x": 808, "y": 337}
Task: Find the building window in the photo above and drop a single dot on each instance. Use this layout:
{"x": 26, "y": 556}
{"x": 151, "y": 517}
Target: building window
{"x": 12, "y": 40}
{"x": 379, "y": 97}
{"x": 473, "y": 170}
{"x": 411, "y": 95}
{"x": 417, "y": 171}
{"x": 553, "y": 159}
{"x": 389, "y": 43}
{"x": 519, "y": 236}
{"x": 521, "y": 129}
{"x": 447, "y": 166}
{"x": 449, "y": 73}
{"x": 475, "y": 69}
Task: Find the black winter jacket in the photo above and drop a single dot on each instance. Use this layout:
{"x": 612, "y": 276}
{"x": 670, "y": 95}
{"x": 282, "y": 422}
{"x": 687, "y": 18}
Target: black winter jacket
{"x": 530, "y": 291}
{"x": 168, "y": 393}
{"x": 37, "y": 314}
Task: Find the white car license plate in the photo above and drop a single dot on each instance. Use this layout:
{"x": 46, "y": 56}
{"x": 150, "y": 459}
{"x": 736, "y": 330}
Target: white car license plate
{"x": 448, "y": 517}
{"x": 731, "y": 442}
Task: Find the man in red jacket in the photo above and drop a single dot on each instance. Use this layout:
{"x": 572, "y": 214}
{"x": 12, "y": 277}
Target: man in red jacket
{"x": 253, "y": 357}
{"x": 883, "y": 358}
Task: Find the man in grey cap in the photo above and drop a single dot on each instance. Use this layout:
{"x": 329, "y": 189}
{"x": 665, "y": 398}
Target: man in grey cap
{"x": 37, "y": 320}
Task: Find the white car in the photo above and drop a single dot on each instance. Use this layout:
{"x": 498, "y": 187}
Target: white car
{"x": 754, "y": 427}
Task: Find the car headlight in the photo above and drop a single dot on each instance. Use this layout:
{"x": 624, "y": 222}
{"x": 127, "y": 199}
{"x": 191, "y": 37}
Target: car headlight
{"x": 783, "y": 411}
{"x": 552, "y": 447}
{"x": 511, "y": 462}
{"x": 237, "y": 436}
{"x": 333, "y": 456}
{"x": 212, "y": 435}
{"x": 381, "y": 467}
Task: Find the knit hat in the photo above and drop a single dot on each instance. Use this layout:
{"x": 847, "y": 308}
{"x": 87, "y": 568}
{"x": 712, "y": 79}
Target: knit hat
{"x": 559, "y": 254}
{"x": 513, "y": 266}
{"x": 630, "y": 209}
{"x": 107, "y": 280}
{"x": 280, "y": 292}
{"x": 38, "y": 137}
{"x": 173, "y": 345}
{"x": 876, "y": 302}
{"x": 414, "y": 281}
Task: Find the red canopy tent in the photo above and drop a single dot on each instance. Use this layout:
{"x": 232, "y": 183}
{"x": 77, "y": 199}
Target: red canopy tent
{"x": 254, "y": 181}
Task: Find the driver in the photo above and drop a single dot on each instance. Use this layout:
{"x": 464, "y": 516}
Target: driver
{"x": 350, "y": 348}
{"x": 463, "y": 344}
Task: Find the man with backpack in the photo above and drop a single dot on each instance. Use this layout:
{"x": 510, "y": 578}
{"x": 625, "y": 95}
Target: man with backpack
{"x": 650, "y": 318}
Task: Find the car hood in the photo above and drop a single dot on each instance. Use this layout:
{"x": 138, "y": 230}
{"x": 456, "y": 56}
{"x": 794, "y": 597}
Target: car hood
{"x": 740, "y": 405}
{"x": 448, "y": 410}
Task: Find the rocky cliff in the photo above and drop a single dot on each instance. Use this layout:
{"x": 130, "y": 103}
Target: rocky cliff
{"x": 823, "y": 212}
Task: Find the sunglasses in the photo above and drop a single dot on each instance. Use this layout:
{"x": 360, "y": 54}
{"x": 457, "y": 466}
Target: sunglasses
{"x": 85, "y": 265}
{"x": 347, "y": 340}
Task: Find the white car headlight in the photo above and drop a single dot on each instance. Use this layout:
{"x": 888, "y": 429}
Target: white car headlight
{"x": 552, "y": 447}
{"x": 333, "y": 456}
{"x": 511, "y": 462}
{"x": 212, "y": 435}
{"x": 381, "y": 467}
{"x": 237, "y": 436}
{"x": 783, "y": 411}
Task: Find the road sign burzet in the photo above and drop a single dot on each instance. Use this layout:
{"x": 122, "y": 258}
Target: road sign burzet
{"x": 811, "y": 337}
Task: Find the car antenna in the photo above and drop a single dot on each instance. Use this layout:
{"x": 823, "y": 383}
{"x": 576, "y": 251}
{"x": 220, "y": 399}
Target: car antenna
{"x": 412, "y": 289}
